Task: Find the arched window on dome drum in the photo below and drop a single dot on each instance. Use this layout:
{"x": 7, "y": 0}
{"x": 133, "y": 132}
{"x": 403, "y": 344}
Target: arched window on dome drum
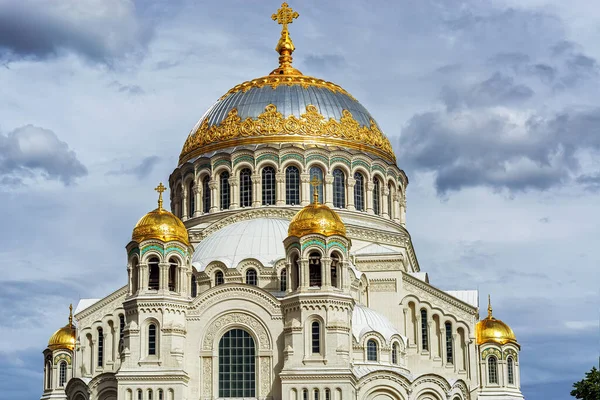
{"x": 292, "y": 186}
{"x": 339, "y": 188}
{"x": 268, "y": 186}
{"x": 62, "y": 373}
{"x": 251, "y": 277}
{"x": 376, "y": 196}
{"x": 492, "y": 370}
{"x": 335, "y": 265}
{"x": 237, "y": 365}
{"x": 371, "y": 350}
{"x": 100, "y": 343}
{"x": 152, "y": 340}
{"x": 359, "y": 191}
{"x": 395, "y": 353}
{"x": 390, "y": 201}
{"x": 424, "y": 332}
{"x": 283, "y": 280}
{"x": 219, "y": 278}
{"x": 510, "y": 365}
{"x": 314, "y": 269}
{"x": 194, "y": 286}
{"x": 205, "y": 194}
{"x": 191, "y": 200}
{"x": 295, "y": 273}
{"x": 245, "y": 187}
{"x": 224, "y": 190}
{"x": 173, "y": 264}
{"x": 315, "y": 337}
{"x": 316, "y": 172}
{"x": 449, "y": 348}
{"x": 154, "y": 274}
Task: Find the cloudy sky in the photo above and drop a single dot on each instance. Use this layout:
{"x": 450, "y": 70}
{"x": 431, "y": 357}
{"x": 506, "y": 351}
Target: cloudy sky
{"x": 493, "y": 109}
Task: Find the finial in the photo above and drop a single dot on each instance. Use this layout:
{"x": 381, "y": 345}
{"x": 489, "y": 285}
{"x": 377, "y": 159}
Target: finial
{"x": 285, "y": 47}
{"x": 315, "y": 183}
{"x": 489, "y": 307}
{"x": 160, "y": 189}
{"x": 71, "y": 314}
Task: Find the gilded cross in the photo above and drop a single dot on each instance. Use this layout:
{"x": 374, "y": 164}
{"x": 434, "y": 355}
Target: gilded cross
{"x": 315, "y": 183}
{"x": 160, "y": 189}
{"x": 285, "y": 15}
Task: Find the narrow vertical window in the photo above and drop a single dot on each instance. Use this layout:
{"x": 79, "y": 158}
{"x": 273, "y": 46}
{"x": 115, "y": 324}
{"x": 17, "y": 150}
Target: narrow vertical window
{"x": 292, "y": 186}
{"x": 395, "y": 353}
{"x": 139, "y": 394}
{"x": 511, "y": 370}
{"x": 219, "y": 278}
{"x": 376, "y": 196}
{"x": 191, "y": 200}
{"x": 283, "y": 280}
{"x": 151, "y": 340}
{"x": 251, "y": 277}
{"x": 390, "y": 200}
{"x": 62, "y": 373}
{"x": 224, "y": 190}
{"x": 100, "y": 347}
{"x": 245, "y": 187}
{"x": 314, "y": 269}
{"x": 154, "y": 274}
{"x": 449, "y": 348}
{"x": 424, "y": 332}
{"x": 194, "y": 286}
{"x": 492, "y": 370}
{"x": 49, "y": 373}
{"x": 296, "y": 273}
{"x": 173, "y": 274}
{"x": 205, "y": 194}
{"x": 327, "y": 394}
{"x": 121, "y": 326}
{"x": 149, "y": 394}
{"x": 335, "y": 261}
{"x": 371, "y": 350}
{"x": 268, "y": 186}
{"x": 359, "y": 191}
{"x": 305, "y": 394}
{"x": 339, "y": 188}
{"x": 160, "y": 394}
{"x": 316, "y": 172}
{"x": 316, "y": 394}
{"x": 316, "y": 337}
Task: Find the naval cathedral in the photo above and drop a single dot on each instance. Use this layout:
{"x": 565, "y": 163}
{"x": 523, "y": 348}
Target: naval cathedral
{"x": 284, "y": 270}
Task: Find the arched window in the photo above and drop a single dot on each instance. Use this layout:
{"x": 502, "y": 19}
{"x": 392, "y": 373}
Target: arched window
{"x": 251, "y": 277}
{"x": 315, "y": 337}
{"x": 327, "y": 394}
{"x": 245, "y": 187}
{"x": 191, "y": 200}
{"x": 359, "y": 191}
{"x": 194, "y": 286}
{"x": 314, "y": 269}
{"x": 149, "y": 394}
{"x": 152, "y": 340}
{"x": 292, "y": 185}
{"x": 173, "y": 274}
{"x": 100, "y": 347}
{"x": 395, "y": 353}
{"x": 121, "y": 326}
{"x": 160, "y": 394}
{"x": 237, "y": 371}
{"x": 49, "y": 373}
{"x": 134, "y": 275}
{"x": 316, "y": 172}
{"x": 268, "y": 186}
{"x": 296, "y": 273}
{"x": 154, "y": 274}
{"x": 205, "y": 194}
{"x": 224, "y": 190}
{"x": 335, "y": 265}
{"x": 219, "y": 278}
{"x": 376, "y": 196}
{"x": 139, "y": 394}
{"x": 339, "y": 188}
{"x": 283, "y": 280}
{"x": 390, "y": 201}
{"x": 492, "y": 370}
{"x": 62, "y": 373}
{"x": 316, "y": 394}
{"x": 371, "y": 350}
{"x": 305, "y": 394}
{"x": 449, "y": 348}
{"x": 510, "y": 364}
{"x": 424, "y": 332}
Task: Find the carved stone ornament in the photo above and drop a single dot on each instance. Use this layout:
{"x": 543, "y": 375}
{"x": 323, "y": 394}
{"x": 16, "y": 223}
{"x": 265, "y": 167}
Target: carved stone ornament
{"x": 239, "y": 319}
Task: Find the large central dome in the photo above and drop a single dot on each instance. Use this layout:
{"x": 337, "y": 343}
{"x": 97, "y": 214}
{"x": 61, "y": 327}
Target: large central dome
{"x": 287, "y": 106}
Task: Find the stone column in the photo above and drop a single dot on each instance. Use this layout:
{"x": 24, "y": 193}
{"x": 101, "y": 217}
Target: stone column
{"x": 163, "y": 277}
{"x": 143, "y": 278}
{"x": 185, "y": 206}
{"x": 384, "y": 203}
{"x": 256, "y": 191}
{"x": 212, "y": 185}
{"x": 350, "y": 194}
{"x": 442, "y": 344}
{"x": 305, "y": 189}
{"x": 198, "y": 200}
{"x": 108, "y": 346}
{"x": 369, "y": 197}
{"x": 304, "y": 274}
{"x": 129, "y": 280}
{"x": 431, "y": 334}
{"x": 456, "y": 350}
{"x": 280, "y": 189}
{"x": 328, "y": 186}
{"x": 234, "y": 196}
{"x": 177, "y": 203}
{"x": 326, "y": 272}
{"x": 404, "y": 312}
{"x": 402, "y": 217}
{"x": 290, "y": 279}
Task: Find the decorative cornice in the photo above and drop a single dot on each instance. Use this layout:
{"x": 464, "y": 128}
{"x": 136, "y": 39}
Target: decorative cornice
{"x": 121, "y": 292}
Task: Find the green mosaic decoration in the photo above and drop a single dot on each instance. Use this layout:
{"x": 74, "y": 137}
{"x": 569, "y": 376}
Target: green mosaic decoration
{"x": 62, "y": 356}
{"x": 222, "y": 162}
{"x": 356, "y": 163}
{"x": 268, "y": 156}
{"x": 135, "y": 250}
{"x": 378, "y": 168}
{"x": 510, "y": 353}
{"x": 489, "y": 352}
{"x": 293, "y": 156}
{"x": 205, "y": 166}
{"x": 343, "y": 160}
{"x": 311, "y": 242}
{"x": 163, "y": 251}
{"x": 318, "y": 157}
{"x": 294, "y": 245}
{"x": 335, "y": 243}
{"x": 246, "y": 158}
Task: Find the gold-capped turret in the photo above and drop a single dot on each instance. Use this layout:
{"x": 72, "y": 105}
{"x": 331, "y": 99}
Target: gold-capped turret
{"x": 64, "y": 338}
{"x": 493, "y": 330}
{"x": 285, "y": 47}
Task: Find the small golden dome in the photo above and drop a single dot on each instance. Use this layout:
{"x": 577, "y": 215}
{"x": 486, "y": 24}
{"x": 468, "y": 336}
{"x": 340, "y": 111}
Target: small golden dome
{"x": 316, "y": 218}
{"x": 493, "y": 330}
{"x": 160, "y": 224}
{"x": 64, "y": 338}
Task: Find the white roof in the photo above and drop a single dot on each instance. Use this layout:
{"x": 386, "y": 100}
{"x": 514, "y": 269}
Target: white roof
{"x": 376, "y": 248}
{"x": 260, "y": 238}
{"x": 365, "y": 320}
{"x": 84, "y": 303}
{"x": 420, "y": 275}
{"x": 468, "y": 296}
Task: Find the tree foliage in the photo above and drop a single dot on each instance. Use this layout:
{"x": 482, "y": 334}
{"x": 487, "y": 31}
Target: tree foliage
{"x": 589, "y": 387}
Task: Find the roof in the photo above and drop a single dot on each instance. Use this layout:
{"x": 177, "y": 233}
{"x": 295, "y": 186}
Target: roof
{"x": 365, "y": 320}
{"x": 467, "y": 296}
{"x": 85, "y": 303}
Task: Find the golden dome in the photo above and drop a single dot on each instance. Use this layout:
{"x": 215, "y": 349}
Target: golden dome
{"x": 316, "y": 218}
{"x": 64, "y": 338}
{"x": 492, "y": 330}
{"x": 287, "y": 107}
{"x": 160, "y": 224}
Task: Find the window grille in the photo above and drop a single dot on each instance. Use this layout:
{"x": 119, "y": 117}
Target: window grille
{"x": 316, "y": 172}
{"x": 151, "y": 340}
{"x": 376, "y": 197}
{"x": 371, "y": 350}
{"x": 62, "y": 374}
{"x": 219, "y": 278}
{"x": 245, "y": 188}
{"x": 100, "y": 347}
{"x": 283, "y": 280}
{"x": 224, "y": 187}
{"x": 339, "y": 188}
{"x": 449, "y": 349}
{"x": 237, "y": 371}
{"x": 510, "y": 364}
{"x": 359, "y": 191}
{"x": 268, "y": 186}
{"x": 251, "y": 277}
{"x": 316, "y": 337}
{"x": 395, "y": 353}
{"x": 292, "y": 186}
{"x": 492, "y": 369}
{"x": 424, "y": 332}
{"x": 205, "y": 194}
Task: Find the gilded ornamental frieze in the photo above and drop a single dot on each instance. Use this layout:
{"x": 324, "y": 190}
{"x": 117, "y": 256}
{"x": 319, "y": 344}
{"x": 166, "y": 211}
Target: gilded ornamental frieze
{"x": 271, "y": 125}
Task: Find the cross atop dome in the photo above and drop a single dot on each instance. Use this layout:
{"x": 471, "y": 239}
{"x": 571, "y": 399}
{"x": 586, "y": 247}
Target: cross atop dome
{"x": 160, "y": 189}
{"x": 285, "y": 47}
